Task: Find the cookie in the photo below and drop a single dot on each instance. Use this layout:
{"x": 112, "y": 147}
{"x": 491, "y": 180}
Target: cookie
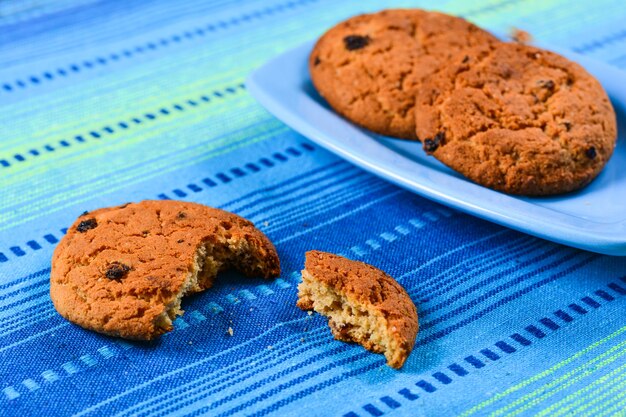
{"x": 123, "y": 271}
{"x": 363, "y": 304}
{"x": 370, "y": 67}
{"x": 517, "y": 119}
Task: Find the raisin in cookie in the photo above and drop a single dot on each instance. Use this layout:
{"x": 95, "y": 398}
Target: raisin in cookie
{"x": 123, "y": 271}
{"x": 369, "y": 67}
{"x": 362, "y": 303}
{"x": 517, "y": 119}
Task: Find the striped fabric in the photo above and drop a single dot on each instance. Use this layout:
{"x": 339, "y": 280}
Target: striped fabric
{"x": 104, "y": 102}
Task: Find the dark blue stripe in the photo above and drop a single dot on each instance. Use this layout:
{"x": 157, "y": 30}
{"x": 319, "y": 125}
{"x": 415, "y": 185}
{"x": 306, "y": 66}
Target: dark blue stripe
{"x": 26, "y": 278}
{"x": 563, "y": 316}
{"x": 331, "y": 174}
{"x": 406, "y": 393}
{"x": 535, "y": 331}
{"x": 491, "y": 279}
{"x": 443, "y": 378}
{"x": 298, "y": 395}
{"x": 604, "y": 295}
{"x": 578, "y": 309}
{"x": 458, "y": 369}
{"x": 425, "y": 386}
{"x": 590, "y": 302}
{"x": 505, "y": 347}
{"x": 474, "y": 361}
{"x": 279, "y": 203}
{"x": 390, "y": 402}
{"x": 549, "y": 323}
{"x": 520, "y": 339}
{"x": 505, "y": 300}
{"x": 489, "y": 354}
{"x": 617, "y": 288}
{"x": 373, "y": 411}
{"x": 520, "y": 249}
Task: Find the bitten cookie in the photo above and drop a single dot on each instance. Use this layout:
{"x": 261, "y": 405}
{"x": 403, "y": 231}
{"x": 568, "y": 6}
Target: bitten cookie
{"x": 517, "y": 119}
{"x": 363, "y": 304}
{"x": 369, "y": 67}
{"x": 123, "y": 271}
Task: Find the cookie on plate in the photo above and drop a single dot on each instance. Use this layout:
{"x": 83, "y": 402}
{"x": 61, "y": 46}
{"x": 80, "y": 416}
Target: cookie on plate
{"x": 517, "y": 119}
{"x": 369, "y": 67}
{"x": 123, "y": 271}
{"x": 363, "y": 304}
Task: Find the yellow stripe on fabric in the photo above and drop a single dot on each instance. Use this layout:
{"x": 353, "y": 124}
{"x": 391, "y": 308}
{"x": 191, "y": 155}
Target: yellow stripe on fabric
{"x": 166, "y": 131}
{"x": 563, "y": 382}
{"x": 597, "y": 396}
{"x": 561, "y": 407}
{"x": 618, "y": 409}
{"x": 545, "y": 373}
{"x": 84, "y": 192}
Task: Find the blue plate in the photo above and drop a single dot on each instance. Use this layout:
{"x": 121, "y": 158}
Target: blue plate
{"x": 593, "y": 218}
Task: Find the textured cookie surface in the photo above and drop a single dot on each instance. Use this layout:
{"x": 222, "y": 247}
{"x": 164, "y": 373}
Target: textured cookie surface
{"x": 363, "y": 304}
{"x": 517, "y": 119}
{"x": 369, "y": 67}
{"x": 122, "y": 271}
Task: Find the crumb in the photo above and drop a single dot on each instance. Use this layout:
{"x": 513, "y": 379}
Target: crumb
{"x": 190, "y": 342}
{"x": 302, "y": 340}
{"x": 230, "y": 331}
{"x": 266, "y": 223}
{"x": 270, "y": 347}
{"x": 520, "y": 36}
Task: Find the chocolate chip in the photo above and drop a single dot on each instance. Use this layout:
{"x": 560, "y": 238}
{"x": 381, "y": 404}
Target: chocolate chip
{"x": 117, "y": 270}
{"x": 180, "y": 240}
{"x": 591, "y": 153}
{"x": 354, "y": 42}
{"x": 124, "y": 205}
{"x": 568, "y": 126}
{"x": 466, "y": 59}
{"x": 317, "y": 61}
{"x": 431, "y": 145}
{"x": 181, "y": 215}
{"x": 549, "y": 84}
{"x": 86, "y": 225}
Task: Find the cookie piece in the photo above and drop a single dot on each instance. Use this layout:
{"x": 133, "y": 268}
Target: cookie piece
{"x": 517, "y": 119}
{"x": 123, "y": 271}
{"x": 370, "y": 67}
{"x": 363, "y": 304}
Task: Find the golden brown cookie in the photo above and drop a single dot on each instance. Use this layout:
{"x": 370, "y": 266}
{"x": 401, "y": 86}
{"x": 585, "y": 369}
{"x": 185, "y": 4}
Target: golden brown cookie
{"x": 123, "y": 271}
{"x": 363, "y": 304}
{"x": 369, "y": 67}
{"x": 517, "y": 119}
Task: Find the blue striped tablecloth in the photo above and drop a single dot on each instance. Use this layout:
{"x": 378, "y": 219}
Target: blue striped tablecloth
{"x": 108, "y": 102}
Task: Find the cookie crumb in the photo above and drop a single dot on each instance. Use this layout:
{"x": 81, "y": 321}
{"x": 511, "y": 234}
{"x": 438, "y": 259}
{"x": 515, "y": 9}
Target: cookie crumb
{"x": 520, "y": 36}
{"x": 87, "y": 225}
{"x": 266, "y": 223}
{"x": 431, "y": 145}
{"x": 549, "y": 84}
{"x": 230, "y": 331}
{"x": 310, "y": 313}
{"x": 354, "y": 42}
{"x": 270, "y": 347}
{"x": 591, "y": 152}
{"x": 117, "y": 271}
